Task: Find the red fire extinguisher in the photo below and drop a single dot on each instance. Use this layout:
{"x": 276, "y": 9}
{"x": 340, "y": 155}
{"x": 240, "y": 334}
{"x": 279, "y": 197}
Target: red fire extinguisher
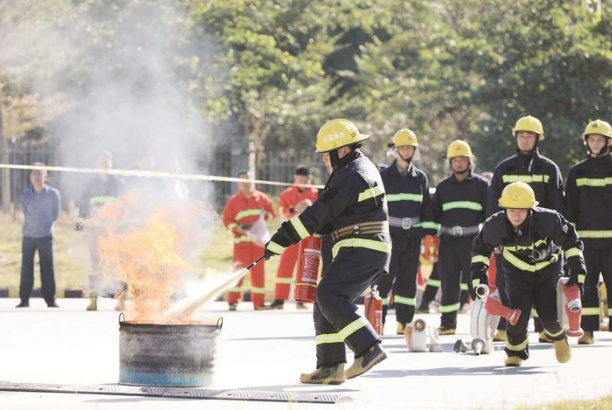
{"x": 374, "y": 310}
{"x": 308, "y": 269}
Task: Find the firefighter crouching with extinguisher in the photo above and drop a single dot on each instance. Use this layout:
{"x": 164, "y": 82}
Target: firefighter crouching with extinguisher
{"x": 532, "y": 239}
{"x": 459, "y": 207}
{"x": 408, "y": 196}
{"x": 588, "y": 206}
{"x": 352, "y": 207}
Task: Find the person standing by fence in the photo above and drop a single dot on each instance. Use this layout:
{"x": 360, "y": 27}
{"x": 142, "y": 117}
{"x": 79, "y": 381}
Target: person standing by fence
{"x": 41, "y": 206}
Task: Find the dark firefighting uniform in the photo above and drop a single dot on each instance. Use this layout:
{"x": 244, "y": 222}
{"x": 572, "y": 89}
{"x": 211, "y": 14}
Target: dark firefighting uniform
{"x": 543, "y": 176}
{"x": 353, "y": 209}
{"x": 459, "y": 208}
{"x": 287, "y": 199}
{"x": 244, "y": 211}
{"x": 530, "y": 281}
{"x": 589, "y": 208}
{"x": 98, "y": 192}
{"x": 408, "y": 198}
{"x": 434, "y": 283}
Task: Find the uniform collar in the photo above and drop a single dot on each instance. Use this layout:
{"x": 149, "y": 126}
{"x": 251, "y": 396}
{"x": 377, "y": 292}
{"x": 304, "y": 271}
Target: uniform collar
{"x": 468, "y": 178}
{"x": 410, "y": 171}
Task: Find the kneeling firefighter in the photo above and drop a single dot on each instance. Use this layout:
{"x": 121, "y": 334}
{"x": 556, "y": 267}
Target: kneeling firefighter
{"x": 353, "y": 209}
{"x": 532, "y": 239}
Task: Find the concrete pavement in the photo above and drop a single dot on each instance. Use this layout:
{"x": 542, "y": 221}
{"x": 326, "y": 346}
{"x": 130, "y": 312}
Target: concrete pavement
{"x": 267, "y": 351}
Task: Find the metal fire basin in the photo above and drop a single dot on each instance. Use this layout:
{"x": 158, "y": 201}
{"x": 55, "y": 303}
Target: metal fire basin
{"x": 180, "y": 355}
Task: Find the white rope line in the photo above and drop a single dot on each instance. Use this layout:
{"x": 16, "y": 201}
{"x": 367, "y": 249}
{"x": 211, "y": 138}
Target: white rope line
{"x": 153, "y": 174}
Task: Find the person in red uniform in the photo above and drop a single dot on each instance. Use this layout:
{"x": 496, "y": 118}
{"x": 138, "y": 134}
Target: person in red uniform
{"x": 243, "y": 210}
{"x": 291, "y": 202}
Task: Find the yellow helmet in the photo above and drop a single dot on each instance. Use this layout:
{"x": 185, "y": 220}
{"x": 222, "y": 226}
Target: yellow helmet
{"x": 529, "y": 123}
{"x": 338, "y": 133}
{"x": 598, "y": 127}
{"x": 459, "y": 148}
{"x": 404, "y": 137}
{"x": 518, "y": 195}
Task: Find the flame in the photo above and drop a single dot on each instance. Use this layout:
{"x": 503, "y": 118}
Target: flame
{"x": 147, "y": 249}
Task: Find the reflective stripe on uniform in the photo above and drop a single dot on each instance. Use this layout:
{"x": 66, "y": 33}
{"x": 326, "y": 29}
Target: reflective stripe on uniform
{"x": 428, "y": 225}
{"x": 450, "y": 308}
{"x": 401, "y": 300}
{"x": 386, "y": 300}
{"x": 404, "y": 197}
{"x": 257, "y": 290}
{"x": 595, "y": 234}
{"x": 299, "y": 227}
{"x": 573, "y": 252}
{"x": 342, "y": 334}
{"x": 519, "y": 347}
{"x": 475, "y": 283}
{"x": 276, "y": 248}
{"x": 534, "y": 313}
{"x": 462, "y": 204}
{"x": 248, "y": 212}
{"x": 609, "y": 311}
{"x": 532, "y": 246}
{"x": 600, "y": 182}
{"x": 508, "y": 179}
{"x": 481, "y": 259}
{"x": 559, "y": 333}
{"x": 361, "y": 243}
{"x": 464, "y": 286}
{"x": 436, "y": 283}
{"x": 581, "y": 278}
{"x": 522, "y": 265}
{"x": 371, "y": 193}
{"x": 242, "y": 238}
{"x": 287, "y": 281}
{"x": 232, "y": 225}
{"x": 592, "y": 311}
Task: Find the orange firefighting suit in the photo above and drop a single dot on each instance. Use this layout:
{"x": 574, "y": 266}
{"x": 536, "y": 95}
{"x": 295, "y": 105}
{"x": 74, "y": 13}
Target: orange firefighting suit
{"x": 242, "y": 211}
{"x": 287, "y": 200}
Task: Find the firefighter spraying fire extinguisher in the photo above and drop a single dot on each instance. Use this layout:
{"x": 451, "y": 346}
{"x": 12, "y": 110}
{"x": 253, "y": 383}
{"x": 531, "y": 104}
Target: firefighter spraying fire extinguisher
{"x": 588, "y": 206}
{"x": 534, "y": 242}
{"x": 353, "y": 209}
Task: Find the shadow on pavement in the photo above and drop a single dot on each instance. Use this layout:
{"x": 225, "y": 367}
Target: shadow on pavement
{"x": 458, "y": 371}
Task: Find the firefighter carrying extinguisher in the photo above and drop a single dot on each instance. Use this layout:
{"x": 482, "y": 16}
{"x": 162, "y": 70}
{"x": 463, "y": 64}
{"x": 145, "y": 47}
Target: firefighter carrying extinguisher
{"x": 458, "y": 206}
{"x": 291, "y": 202}
{"x": 353, "y": 209}
{"x": 588, "y": 206}
{"x": 540, "y": 173}
{"x": 533, "y": 241}
{"x": 408, "y": 196}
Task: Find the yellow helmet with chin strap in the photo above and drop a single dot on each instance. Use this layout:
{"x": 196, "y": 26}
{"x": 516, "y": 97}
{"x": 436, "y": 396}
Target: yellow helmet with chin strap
{"x": 529, "y": 123}
{"x": 404, "y": 137}
{"x": 338, "y": 133}
{"x": 459, "y": 148}
{"x": 518, "y": 195}
{"x": 598, "y": 127}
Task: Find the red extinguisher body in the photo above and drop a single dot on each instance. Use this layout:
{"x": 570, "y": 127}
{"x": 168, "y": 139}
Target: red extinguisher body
{"x": 308, "y": 269}
{"x": 373, "y": 305}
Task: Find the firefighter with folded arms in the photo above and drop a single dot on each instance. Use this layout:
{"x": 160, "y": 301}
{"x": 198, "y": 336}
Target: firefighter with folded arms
{"x": 353, "y": 208}
{"x": 458, "y": 206}
{"x": 588, "y": 204}
{"x": 291, "y": 202}
{"x": 542, "y": 174}
{"x": 534, "y": 240}
{"x": 408, "y": 196}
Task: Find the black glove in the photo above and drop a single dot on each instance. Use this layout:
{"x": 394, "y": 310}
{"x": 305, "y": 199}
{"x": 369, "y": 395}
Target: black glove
{"x": 79, "y": 226}
{"x": 574, "y": 280}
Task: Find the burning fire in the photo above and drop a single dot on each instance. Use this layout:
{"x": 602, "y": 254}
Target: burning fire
{"x": 148, "y": 251}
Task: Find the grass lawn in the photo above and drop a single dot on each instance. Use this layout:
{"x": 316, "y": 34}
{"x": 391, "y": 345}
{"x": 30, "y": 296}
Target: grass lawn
{"x": 604, "y": 403}
{"x": 71, "y": 254}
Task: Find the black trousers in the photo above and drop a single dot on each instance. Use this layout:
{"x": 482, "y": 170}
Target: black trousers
{"x": 598, "y": 261}
{"x": 524, "y": 290}
{"x": 335, "y": 315}
{"x": 454, "y": 264}
{"x": 402, "y": 279}
{"x": 431, "y": 288}
{"x": 44, "y": 246}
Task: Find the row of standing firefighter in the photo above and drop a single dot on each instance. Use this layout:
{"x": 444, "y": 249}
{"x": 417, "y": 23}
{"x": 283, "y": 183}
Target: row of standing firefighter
{"x": 364, "y": 213}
